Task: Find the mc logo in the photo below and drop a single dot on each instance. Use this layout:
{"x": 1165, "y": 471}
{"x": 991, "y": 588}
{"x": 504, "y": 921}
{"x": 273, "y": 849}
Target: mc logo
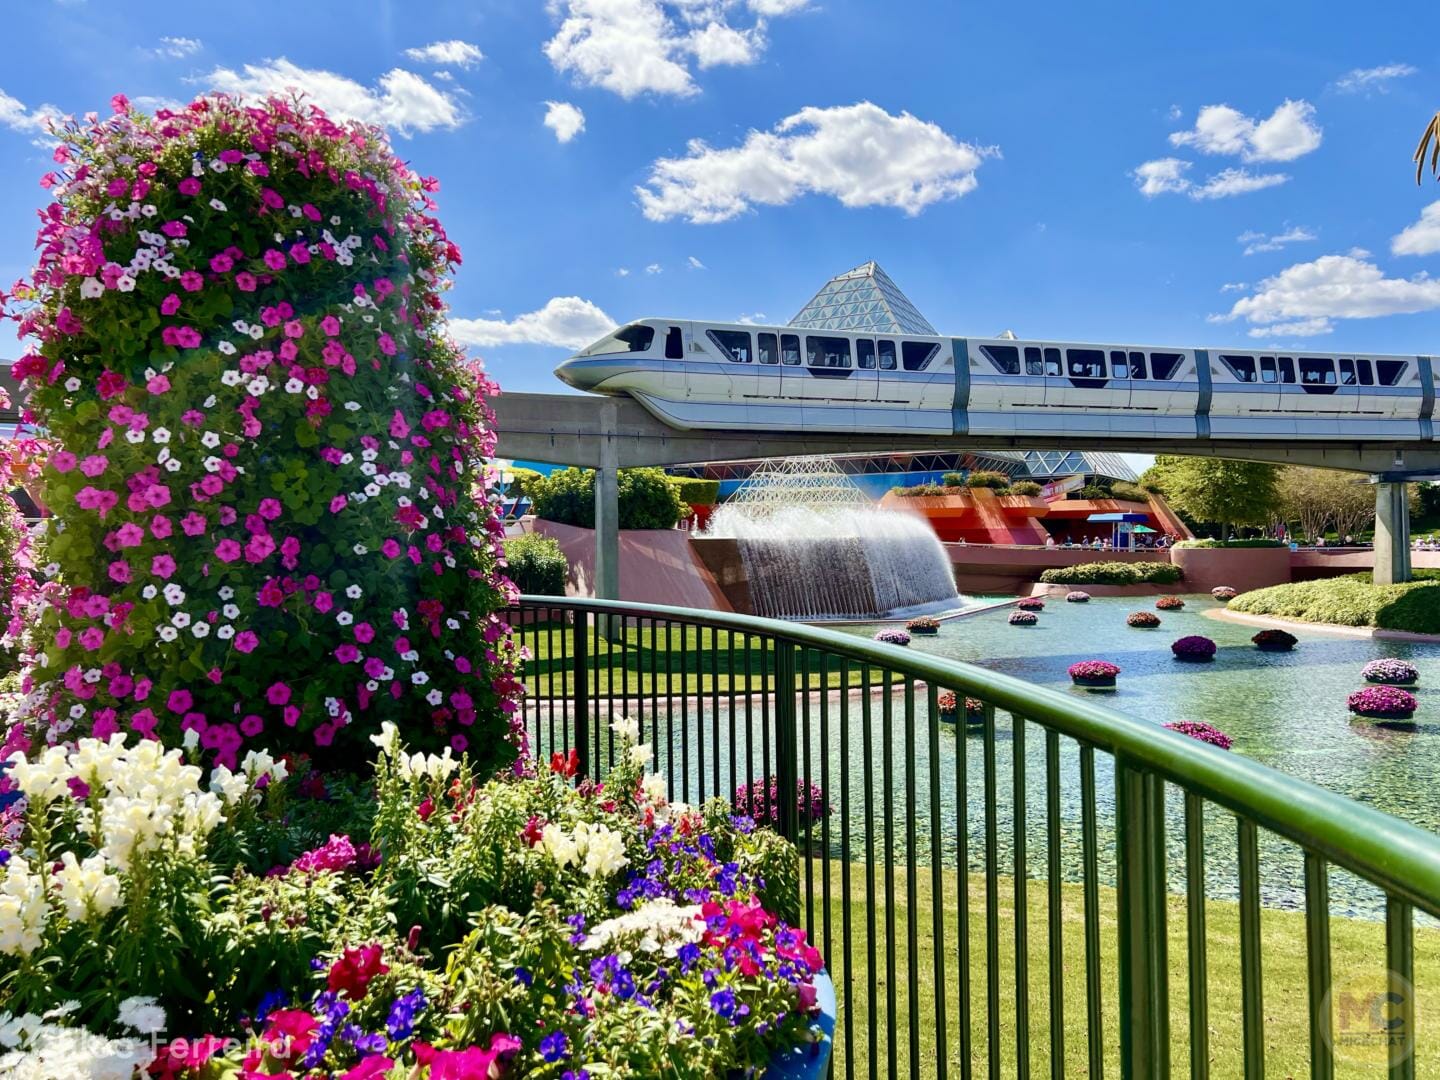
{"x": 1373, "y": 1019}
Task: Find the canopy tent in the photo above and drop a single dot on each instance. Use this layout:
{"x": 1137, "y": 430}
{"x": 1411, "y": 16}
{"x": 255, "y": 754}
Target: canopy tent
{"x": 1121, "y": 526}
{"x": 1142, "y": 529}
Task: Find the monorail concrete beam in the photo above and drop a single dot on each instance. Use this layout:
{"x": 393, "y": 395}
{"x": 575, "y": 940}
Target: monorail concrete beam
{"x": 607, "y": 509}
{"x": 1392, "y": 532}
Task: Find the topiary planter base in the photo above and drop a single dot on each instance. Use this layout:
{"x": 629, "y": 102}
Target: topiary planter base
{"x": 947, "y": 717}
{"x": 1104, "y": 682}
{"x": 924, "y": 631}
{"x": 1391, "y": 682}
{"x": 1195, "y": 659}
{"x": 1275, "y": 648}
{"x": 1377, "y": 714}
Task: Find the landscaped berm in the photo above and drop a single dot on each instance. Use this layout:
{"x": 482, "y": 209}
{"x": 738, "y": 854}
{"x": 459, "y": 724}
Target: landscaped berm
{"x": 277, "y": 814}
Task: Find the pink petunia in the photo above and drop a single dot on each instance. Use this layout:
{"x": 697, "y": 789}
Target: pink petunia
{"x": 193, "y": 524}
{"x": 269, "y": 509}
{"x": 246, "y": 641}
{"x": 179, "y": 701}
{"x": 159, "y": 384}
{"x": 274, "y": 259}
{"x": 221, "y": 263}
{"x": 278, "y": 694}
{"x": 189, "y": 186}
{"x": 245, "y": 281}
{"x": 227, "y": 550}
{"x": 162, "y": 566}
{"x": 170, "y": 305}
{"x": 120, "y": 572}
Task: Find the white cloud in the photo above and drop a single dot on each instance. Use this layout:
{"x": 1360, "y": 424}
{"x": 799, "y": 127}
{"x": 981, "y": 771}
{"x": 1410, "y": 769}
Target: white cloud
{"x": 634, "y": 47}
{"x": 654, "y": 268}
{"x": 1288, "y": 133}
{"x": 564, "y": 119}
{"x": 1299, "y": 328}
{"x": 623, "y": 271}
{"x": 695, "y": 264}
{"x": 1378, "y": 79}
{"x": 1421, "y": 238}
{"x": 177, "y": 47}
{"x": 454, "y": 53}
{"x": 1235, "y": 286}
{"x": 858, "y": 154}
{"x": 758, "y": 318}
{"x": 16, "y": 117}
{"x": 565, "y": 322}
{"x": 1334, "y": 287}
{"x": 403, "y": 101}
{"x": 1256, "y": 242}
{"x": 1167, "y": 176}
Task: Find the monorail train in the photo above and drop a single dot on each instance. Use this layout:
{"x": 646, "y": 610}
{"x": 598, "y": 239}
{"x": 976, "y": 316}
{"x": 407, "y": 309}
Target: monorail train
{"x": 738, "y": 376}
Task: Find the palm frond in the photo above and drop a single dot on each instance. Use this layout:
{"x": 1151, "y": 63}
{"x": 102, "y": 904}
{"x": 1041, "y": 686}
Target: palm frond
{"x": 1429, "y": 140}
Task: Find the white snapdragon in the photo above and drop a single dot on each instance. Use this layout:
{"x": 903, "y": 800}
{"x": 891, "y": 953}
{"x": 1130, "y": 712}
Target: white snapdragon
{"x": 230, "y": 786}
{"x": 87, "y": 889}
{"x": 627, "y": 729}
{"x": 659, "y": 925}
{"x": 559, "y": 845}
{"x": 602, "y": 849}
{"x": 23, "y": 909}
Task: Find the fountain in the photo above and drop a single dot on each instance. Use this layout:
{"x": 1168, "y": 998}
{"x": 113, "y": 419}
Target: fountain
{"x": 814, "y": 547}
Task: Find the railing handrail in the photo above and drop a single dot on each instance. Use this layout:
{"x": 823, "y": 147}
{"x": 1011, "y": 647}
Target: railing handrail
{"x": 1400, "y": 857}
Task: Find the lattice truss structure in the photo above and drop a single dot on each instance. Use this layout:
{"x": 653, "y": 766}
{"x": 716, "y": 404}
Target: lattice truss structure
{"x": 814, "y": 482}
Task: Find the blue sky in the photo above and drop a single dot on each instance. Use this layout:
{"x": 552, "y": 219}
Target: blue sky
{"x": 1072, "y": 171}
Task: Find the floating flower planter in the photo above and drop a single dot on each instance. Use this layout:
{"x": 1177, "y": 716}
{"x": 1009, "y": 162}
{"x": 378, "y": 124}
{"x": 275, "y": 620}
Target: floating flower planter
{"x": 1383, "y": 703}
{"x": 923, "y": 625}
{"x": 761, "y": 801}
{"x": 1391, "y": 672}
{"x": 1223, "y": 592}
{"x": 1023, "y": 618}
{"x": 893, "y": 636}
{"x": 974, "y": 708}
{"x": 1031, "y": 603}
{"x": 1198, "y": 729}
{"x": 1274, "y": 641}
{"x": 1194, "y": 649}
{"x": 1169, "y": 603}
{"x": 1142, "y": 620}
{"x": 1094, "y": 674}
{"x": 1077, "y": 597}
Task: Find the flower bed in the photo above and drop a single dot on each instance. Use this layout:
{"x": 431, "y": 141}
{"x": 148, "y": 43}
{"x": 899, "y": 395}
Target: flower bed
{"x": 1023, "y": 618}
{"x": 892, "y": 636}
{"x": 1383, "y": 703}
{"x": 949, "y": 708}
{"x": 1199, "y": 729}
{"x": 1031, "y": 603}
{"x": 1077, "y": 597}
{"x": 762, "y": 801}
{"x": 1142, "y": 620}
{"x": 1194, "y": 649}
{"x": 1391, "y": 672}
{"x": 1223, "y": 592}
{"x": 523, "y": 926}
{"x": 1094, "y": 673}
{"x": 1169, "y": 603}
{"x": 926, "y": 625}
{"x": 1274, "y": 641}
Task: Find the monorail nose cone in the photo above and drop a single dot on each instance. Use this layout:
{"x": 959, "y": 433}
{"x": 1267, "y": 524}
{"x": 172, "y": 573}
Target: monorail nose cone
{"x": 572, "y": 374}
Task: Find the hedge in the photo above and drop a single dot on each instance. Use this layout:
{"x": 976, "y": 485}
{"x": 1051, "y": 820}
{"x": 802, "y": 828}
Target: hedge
{"x": 1353, "y": 600}
{"x": 986, "y": 479}
{"x": 1025, "y": 487}
{"x": 648, "y": 500}
{"x": 1113, "y": 573}
{"x": 1122, "y": 489}
{"x": 1256, "y": 542}
{"x": 695, "y": 491}
{"x": 537, "y": 565}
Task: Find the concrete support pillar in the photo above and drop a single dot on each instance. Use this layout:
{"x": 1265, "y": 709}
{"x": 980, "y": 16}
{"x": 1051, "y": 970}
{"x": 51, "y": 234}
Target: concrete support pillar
{"x": 1392, "y": 533}
{"x": 607, "y": 509}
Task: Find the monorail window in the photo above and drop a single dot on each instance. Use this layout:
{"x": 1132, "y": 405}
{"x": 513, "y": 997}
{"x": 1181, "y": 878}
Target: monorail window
{"x": 1268, "y": 372}
{"x": 827, "y": 352}
{"x": 636, "y": 338}
{"x": 1137, "y": 365}
{"x": 1052, "y": 362}
{"x": 733, "y": 343}
{"x": 887, "y": 356}
{"x": 864, "y": 353}
{"x": 1006, "y": 358}
{"x": 1390, "y": 371}
{"x": 916, "y": 355}
{"x": 1347, "y": 372}
{"x": 1287, "y": 369}
{"x": 1242, "y": 367}
{"x": 1163, "y": 365}
{"x": 1316, "y": 372}
{"x": 1033, "y": 366}
{"x": 674, "y": 344}
{"x": 790, "y": 349}
{"x": 765, "y": 349}
{"x": 1086, "y": 363}
{"x": 1363, "y": 369}
{"x": 1119, "y": 365}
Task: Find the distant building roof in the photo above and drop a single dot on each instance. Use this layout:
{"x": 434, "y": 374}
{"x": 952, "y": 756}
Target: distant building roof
{"x": 1076, "y": 462}
{"x": 863, "y": 299}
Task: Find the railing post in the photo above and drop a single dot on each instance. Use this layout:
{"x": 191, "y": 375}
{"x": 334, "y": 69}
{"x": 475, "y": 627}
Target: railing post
{"x": 579, "y": 644}
{"x": 786, "y": 750}
{"x": 1140, "y": 901}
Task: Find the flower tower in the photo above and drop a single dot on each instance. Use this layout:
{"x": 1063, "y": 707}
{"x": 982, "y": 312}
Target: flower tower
{"x": 272, "y": 513}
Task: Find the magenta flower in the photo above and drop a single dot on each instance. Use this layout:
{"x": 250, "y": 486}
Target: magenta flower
{"x": 227, "y": 550}
{"x": 189, "y": 186}
{"x": 246, "y": 641}
{"x": 221, "y": 263}
{"x": 179, "y": 701}
{"x": 278, "y": 694}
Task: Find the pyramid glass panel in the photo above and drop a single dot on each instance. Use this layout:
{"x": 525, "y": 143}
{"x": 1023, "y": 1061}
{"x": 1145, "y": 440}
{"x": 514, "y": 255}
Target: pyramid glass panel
{"x": 864, "y": 298}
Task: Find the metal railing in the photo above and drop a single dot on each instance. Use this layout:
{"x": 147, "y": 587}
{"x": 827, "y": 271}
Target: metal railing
{"x": 944, "y": 842}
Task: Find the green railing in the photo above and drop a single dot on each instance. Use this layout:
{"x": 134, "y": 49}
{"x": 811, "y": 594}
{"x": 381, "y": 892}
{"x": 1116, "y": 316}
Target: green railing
{"x": 1199, "y": 874}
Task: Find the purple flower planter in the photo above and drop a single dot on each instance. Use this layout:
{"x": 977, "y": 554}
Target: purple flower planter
{"x": 809, "y": 1061}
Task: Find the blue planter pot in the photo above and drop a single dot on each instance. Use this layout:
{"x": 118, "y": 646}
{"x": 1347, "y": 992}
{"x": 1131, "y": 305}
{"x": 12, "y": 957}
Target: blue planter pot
{"x": 809, "y": 1060}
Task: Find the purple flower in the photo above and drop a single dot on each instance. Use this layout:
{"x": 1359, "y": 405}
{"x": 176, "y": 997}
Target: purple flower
{"x": 1193, "y": 647}
{"x": 893, "y": 637}
{"x": 401, "y": 1021}
{"x": 555, "y": 1046}
{"x": 762, "y": 801}
{"x": 1385, "y": 702}
{"x": 1206, "y": 733}
{"x": 1390, "y": 670}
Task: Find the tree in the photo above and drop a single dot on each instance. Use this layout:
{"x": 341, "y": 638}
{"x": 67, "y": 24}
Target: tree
{"x": 1226, "y": 493}
{"x": 647, "y": 499}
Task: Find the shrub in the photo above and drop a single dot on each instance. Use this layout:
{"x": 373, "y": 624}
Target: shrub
{"x": 1093, "y": 491}
{"x": 1390, "y": 671}
{"x": 1223, "y": 592}
{"x": 1031, "y": 603}
{"x": 1113, "y": 573}
{"x": 522, "y": 481}
{"x": 921, "y": 491}
{"x": 1199, "y": 729}
{"x": 1076, "y": 596}
{"x": 1027, "y": 488}
{"x": 537, "y": 565}
{"x": 762, "y": 801}
{"x": 1274, "y": 641}
{"x": 952, "y": 479}
{"x": 647, "y": 499}
{"x": 1169, "y": 603}
{"x": 1122, "y": 489}
{"x": 1253, "y": 542}
{"x": 1142, "y": 620}
{"x": 1023, "y": 618}
{"x": 1383, "y": 703}
{"x": 694, "y": 491}
{"x": 984, "y": 478}
{"x": 263, "y": 469}
{"x": 1350, "y": 601}
{"x": 892, "y": 636}
{"x": 1193, "y": 647}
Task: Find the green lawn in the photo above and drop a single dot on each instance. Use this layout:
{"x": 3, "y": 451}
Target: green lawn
{"x": 1357, "y": 951}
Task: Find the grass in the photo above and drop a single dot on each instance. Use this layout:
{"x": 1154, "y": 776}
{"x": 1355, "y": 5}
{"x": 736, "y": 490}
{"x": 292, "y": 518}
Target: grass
{"x": 1357, "y": 957}
{"x": 1353, "y": 600}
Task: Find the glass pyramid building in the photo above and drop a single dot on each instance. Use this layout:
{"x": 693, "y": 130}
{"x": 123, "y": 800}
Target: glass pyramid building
{"x": 863, "y": 299}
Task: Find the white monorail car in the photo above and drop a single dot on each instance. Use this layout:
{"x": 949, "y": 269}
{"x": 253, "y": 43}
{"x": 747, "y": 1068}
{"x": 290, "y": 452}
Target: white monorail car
{"x": 738, "y": 376}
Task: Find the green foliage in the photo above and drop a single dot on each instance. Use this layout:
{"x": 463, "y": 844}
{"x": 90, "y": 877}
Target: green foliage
{"x": 537, "y": 566}
{"x": 1092, "y": 491}
{"x": 1227, "y": 493}
{"x": 522, "y": 481}
{"x": 1123, "y": 489}
{"x": 918, "y": 491}
{"x": 985, "y": 478}
{"x": 1252, "y": 542}
{"x": 1353, "y": 600}
{"x": 1113, "y": 573}
{"x": 695, "y": 491}
{"x": 1025, "y": 487}
{"x": 648, "y": 499}
{"x": 952, "y": 479}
